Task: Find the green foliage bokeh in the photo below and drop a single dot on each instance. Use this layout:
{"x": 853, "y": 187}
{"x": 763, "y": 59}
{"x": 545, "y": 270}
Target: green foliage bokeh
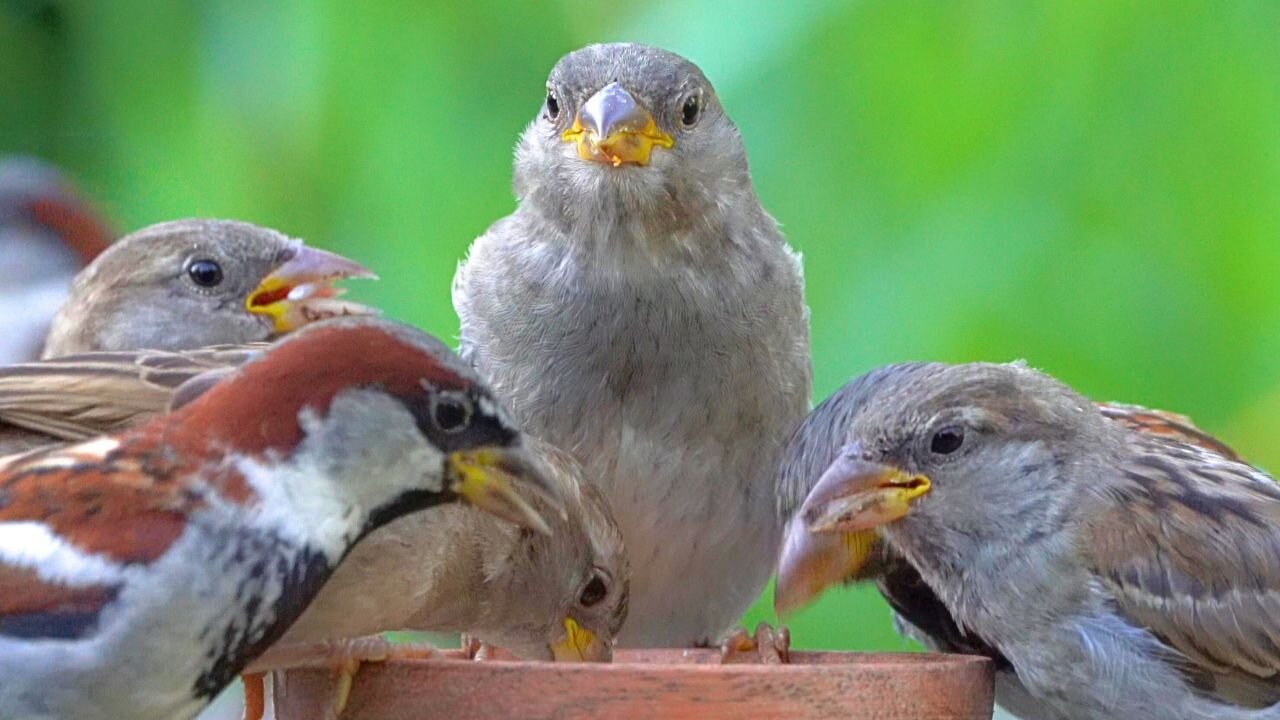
{"x": 1091, "y": 185}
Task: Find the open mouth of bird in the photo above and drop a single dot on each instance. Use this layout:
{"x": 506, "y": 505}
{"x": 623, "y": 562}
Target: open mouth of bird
{"x": 614, "y": 129}
{"x": 622, "y": 147}
{"x": 302, "y": 290}
{"x": 855, "y": 495}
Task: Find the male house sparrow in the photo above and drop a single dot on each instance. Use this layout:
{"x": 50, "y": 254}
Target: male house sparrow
{"x": 191, "y": 283}
{"x": 1119, "y": 569}
{"x": 141, "y": 571}
{"x": 641, "y": 311}
{"x": 48, "y": 232}
{"x": 562, "y": 596}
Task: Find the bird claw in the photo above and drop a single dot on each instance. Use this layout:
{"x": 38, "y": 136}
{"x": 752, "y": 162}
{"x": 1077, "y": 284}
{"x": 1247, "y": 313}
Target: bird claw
{"x": 768, "y": 646}
{"x": 476, "y": 649}
{"x": 343, "y": 657}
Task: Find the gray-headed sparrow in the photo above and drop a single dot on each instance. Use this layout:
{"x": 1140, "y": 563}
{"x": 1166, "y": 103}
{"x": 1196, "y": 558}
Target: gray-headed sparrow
{"x": 641, "y": 311}
{"x": 1118, "y": 563}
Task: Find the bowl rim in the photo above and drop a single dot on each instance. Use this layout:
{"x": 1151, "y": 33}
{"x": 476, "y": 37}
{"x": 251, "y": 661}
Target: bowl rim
{"x": 834, "y": 661}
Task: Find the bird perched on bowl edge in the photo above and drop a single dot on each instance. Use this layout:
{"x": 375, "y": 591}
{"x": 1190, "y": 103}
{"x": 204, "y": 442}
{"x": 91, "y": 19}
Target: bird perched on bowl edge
{"x": 141, "y": 571}
{"x": 1117, "y": 562}
{"x": 48, "y": 232}
{"x": 561, "y": 596}
{"x": 641, "y": 311}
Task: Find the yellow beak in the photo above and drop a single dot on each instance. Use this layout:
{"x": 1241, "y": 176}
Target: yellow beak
{"x": 612, "y": 128}
{"x": 484, "y": 477}
{"x": 856, "y": 494}
{"x": 812, "y": 562}
{"x": 301, "y": 290}
{"x": 579, "y": 644}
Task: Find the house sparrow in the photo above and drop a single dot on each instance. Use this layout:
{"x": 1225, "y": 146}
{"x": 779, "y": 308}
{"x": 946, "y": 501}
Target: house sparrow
{"x": 641, "y": 311}
{"x": 48, "y": 232}
{"x": 141, "y": 571}
{"x": 562, "y": 596}
{"x": 191, "y": 283}
{"x": 1120, "y": 563}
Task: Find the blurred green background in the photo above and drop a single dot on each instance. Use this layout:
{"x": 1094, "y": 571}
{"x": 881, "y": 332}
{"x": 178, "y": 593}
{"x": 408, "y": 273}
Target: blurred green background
{"x": 1092, "y": 186}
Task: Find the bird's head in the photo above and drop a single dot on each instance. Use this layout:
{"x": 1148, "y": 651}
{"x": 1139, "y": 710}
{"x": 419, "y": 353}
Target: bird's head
{"x": 632, "y": 129}
{"x": 369, "y": 416}
{"x": 948, "y": 457}
{"x": 191, "y": 283}
{"x": 562, "y": 596}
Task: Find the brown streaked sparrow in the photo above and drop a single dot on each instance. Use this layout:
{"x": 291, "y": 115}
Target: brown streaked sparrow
{"x": 141, "y": 571}
{"x": 48, "y": 232}
{"x": 191, "y": 283}
{"x": 1120, "y": 562}
{"x": 641, "y": 311}
{"x": 562, "y": 596}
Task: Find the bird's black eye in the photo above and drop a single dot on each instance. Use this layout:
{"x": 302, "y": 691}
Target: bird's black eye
{"x": 553, "y": 105}
{"x": 691, "y": 110}
{"x": 451, "y": 413}
{"x": 594, "y": 591}
{"x": 946, "y": 441}
{"x": 205, "y": 273}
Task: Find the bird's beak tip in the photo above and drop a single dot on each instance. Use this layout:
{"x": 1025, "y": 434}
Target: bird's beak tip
{"x": 301, "y": 290}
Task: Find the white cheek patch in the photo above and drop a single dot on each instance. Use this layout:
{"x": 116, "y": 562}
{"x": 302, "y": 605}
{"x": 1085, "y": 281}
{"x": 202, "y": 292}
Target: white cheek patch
{"x": 33, "y": 545}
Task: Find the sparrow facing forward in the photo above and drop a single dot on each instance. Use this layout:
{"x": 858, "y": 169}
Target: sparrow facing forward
{"x": 191, "y": 283}
{"x": 141, "y": 571}
{"x": 48, "y": 232}
{"x": 1120, "y": 569}
{"x": 641, "y": 311}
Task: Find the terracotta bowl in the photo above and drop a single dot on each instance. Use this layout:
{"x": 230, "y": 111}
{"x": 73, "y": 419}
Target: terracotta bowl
{"x": 655, "y": 684}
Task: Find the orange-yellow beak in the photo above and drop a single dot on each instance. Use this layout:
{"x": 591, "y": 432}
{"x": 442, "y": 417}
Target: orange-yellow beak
{"x": 855, "y": 494}
{"x": 301, "y": 290}
{"x": 833, "y": 536}
{"x": 614, "y": 129}
{"x": 579, "y": 644}
{"x": 812, "y": 562}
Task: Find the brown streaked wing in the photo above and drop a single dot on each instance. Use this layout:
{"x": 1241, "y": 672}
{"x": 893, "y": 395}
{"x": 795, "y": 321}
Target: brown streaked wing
{"x": 80, "y": 396}
{"x": 127, "y": 505}
{"x": 1166, "y": 424}
{"x": 1189, "y": 544}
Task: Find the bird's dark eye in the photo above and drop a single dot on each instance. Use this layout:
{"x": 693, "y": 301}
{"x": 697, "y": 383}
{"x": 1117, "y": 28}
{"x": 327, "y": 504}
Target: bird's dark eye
{"x": 946, "y": 441}
{"x": 205, "y": 273}
{"x": 553, "y": 106}
{"x": 451, "y": 413}
{"x": 593, "y": 592}
{"x": 691, "y": 109}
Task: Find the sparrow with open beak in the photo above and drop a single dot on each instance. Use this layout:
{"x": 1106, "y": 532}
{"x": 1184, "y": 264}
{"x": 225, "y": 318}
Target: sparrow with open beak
{"x": 561, "y": 596}
{"x": 1116, "y": 562}
{"x": 192, "y": 283}
{"x": 140, "y": 572}
{"x": 48, "y": 232}
{"x": 641, "y": 311}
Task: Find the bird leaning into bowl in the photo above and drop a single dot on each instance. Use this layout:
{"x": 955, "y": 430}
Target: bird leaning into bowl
{"x": 562, "y": 596}
{"x": 140, "y": 571}
{"x": 1116, "y": 562}
{"x": 642, "y": 311}
{"x": 48, "y": 232}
